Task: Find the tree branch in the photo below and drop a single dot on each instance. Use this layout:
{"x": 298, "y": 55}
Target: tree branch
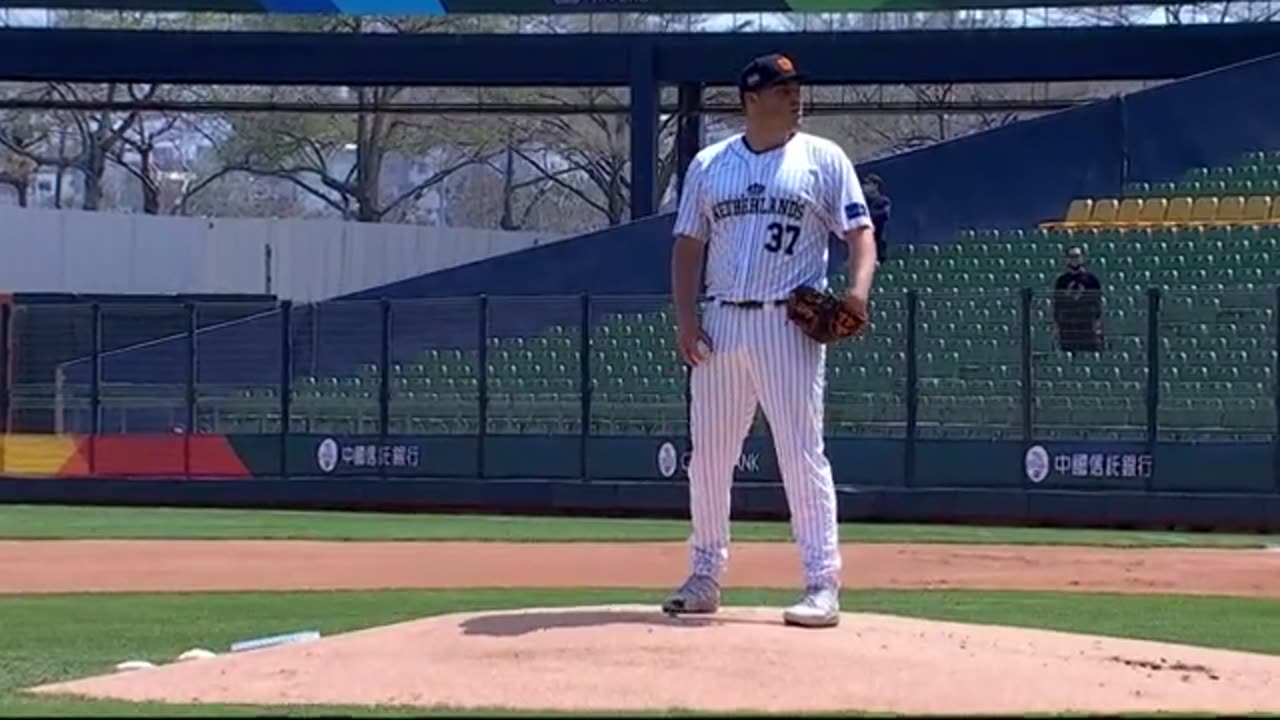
{"x": 116, "y": 157}
{"x": 13, "y": 181}
{"x": 22, "y": 150}
{"x": 434, "y": 179}
{"x": 560, "y": 182}
{"x": 291, "y": 174}
{"x": 533, "y": 203}
{"x": 194, "y": 189}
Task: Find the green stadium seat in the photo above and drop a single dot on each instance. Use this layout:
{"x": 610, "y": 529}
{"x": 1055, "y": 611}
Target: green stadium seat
{"x": 1217, "y": 344}
{"x": 1051, "y": 410}
{"x": 1188, "y": 188}
{"x": 1252, "y": 157}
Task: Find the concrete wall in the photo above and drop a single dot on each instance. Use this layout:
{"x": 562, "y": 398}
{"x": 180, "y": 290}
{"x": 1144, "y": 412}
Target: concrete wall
{"x": 104, "y": 252}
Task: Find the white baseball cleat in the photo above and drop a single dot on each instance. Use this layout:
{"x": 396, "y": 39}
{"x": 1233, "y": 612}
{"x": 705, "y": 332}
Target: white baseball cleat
{"x": 819, "y": 608}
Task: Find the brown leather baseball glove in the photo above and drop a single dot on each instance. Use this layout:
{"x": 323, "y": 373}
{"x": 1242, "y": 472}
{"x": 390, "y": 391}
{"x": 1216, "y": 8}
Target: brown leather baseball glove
{"x": 825, "y": 316}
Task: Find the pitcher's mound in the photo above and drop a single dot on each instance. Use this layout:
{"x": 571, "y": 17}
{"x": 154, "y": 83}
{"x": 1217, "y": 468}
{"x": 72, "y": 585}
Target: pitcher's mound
{"x": 744, "y": 659}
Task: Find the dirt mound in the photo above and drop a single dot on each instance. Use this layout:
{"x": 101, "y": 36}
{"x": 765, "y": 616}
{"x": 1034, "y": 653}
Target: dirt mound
{"x": 744, "y": 659}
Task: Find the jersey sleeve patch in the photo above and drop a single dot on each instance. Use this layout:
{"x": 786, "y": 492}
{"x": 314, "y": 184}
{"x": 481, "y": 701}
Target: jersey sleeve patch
{"x": 855, "y": 210}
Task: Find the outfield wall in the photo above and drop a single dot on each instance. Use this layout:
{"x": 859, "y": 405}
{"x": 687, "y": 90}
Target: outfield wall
{"x": 1099, "y": 484}
{"x": 1065, "y": 508}
{"x": 441, "y": 452}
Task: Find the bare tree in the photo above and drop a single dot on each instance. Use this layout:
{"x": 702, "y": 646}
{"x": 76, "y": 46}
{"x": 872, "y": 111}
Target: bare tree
{"x": 339, "y": 160}
{"x": 589, "y": 156}
{"x": 1173, "y": 14}
{"x": 342, "y": 161}
{"x": 84, "y": 140}
{"x": 17, "y": 169}
{"x": 137, "y": 155}
{"x": 584, "y": 157}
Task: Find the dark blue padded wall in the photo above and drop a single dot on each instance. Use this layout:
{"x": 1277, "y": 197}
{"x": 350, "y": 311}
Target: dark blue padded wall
{"x": 1205, "y": 120}
{"x": 630, "y": 259}
{"x": 1011, "y": 177}
{"x": 1022, "y": 174}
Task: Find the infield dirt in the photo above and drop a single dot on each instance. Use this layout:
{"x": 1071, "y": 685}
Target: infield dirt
{"x": 634, "y": 658}
{"x": 154, "y": 565}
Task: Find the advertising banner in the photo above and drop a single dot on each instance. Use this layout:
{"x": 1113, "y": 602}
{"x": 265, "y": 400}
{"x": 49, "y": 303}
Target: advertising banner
{"x": 855, "y": 461}
{"x": 1088, "y": 465}
{"x": 397, "y": 456}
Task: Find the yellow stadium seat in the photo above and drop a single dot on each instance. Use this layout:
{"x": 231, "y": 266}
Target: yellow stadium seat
{"x": 1256, "y": 209}
{"x": 1078, "y": 213}
{"x": 1179, "y": 211}
{"x": 1130, "y": 210}
{"x": 1153, "y": 211}
{"x": 1275, "y": 210}
{"x": 1104, "y": 211}
{"x": 1204, "y": 210}
{"x": 1230, "y": 210}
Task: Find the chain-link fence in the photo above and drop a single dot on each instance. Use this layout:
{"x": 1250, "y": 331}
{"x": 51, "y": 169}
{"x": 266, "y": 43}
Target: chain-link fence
{"x": 434, "y": 371}
{"x": 866, "y": 378}
{"x": 144, "y": 369}
{"x": 969, "y": 358}
{"x": 239, "y": 367}
{"x": 534, "y": 366}
{"x": 980, "y": 363}
{"x": 51, "y": 370}
{"x": 1217, "y": 365}
{"x": 335, "y": 355}
{"x": 1089, "y": 364}
{"x": 638, "y": 380}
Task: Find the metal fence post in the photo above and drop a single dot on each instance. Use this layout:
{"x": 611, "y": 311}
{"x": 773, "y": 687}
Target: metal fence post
{"x": 384, "y": 382}
{"x": 913, "y": 387}
{"x": 584, "y": 384}
{"x": 95, "y": 385}
{"x": 190, "y": 399}
{"x": 286, "y": 383}
{"x": 6, "y": 361}
{"x": 482, "y": 385}
{"x": 1028, "y": 380}
{"x": 1153, "y": 374}
{"x": 1275, "y": 384}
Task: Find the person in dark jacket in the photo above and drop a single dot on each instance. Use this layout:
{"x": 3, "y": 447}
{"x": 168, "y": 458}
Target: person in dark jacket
{"x": 878, "y": 204}
{"x": 1077, "y": 306}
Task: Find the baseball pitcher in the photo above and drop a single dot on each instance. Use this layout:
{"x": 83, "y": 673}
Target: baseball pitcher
{"x": 763, "y": 204}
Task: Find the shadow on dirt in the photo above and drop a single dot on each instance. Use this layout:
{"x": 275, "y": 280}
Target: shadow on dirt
{"x": 512, "y": 624}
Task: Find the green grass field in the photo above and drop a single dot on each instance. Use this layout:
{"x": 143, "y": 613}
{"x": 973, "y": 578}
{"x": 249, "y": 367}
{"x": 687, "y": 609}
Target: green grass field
{"x": 58, "y": 522}
{"x": 45, "y": 638}
{"x": 49, "y": 638}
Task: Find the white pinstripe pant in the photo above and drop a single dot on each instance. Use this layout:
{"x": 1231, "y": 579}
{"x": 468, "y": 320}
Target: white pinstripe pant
{"x": 761, "y": 358}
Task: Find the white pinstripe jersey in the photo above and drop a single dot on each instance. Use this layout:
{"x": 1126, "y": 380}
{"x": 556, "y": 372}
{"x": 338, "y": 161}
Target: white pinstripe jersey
{"x": 767, "y": 215}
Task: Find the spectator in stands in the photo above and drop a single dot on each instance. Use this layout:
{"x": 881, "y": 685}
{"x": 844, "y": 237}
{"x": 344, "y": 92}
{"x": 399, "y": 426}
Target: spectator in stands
{"x": 878, "y": 204}
{"x": 1077, "y": 306}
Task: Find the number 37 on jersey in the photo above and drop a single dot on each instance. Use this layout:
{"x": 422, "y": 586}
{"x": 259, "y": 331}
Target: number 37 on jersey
{"x": 784, "y": 203}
